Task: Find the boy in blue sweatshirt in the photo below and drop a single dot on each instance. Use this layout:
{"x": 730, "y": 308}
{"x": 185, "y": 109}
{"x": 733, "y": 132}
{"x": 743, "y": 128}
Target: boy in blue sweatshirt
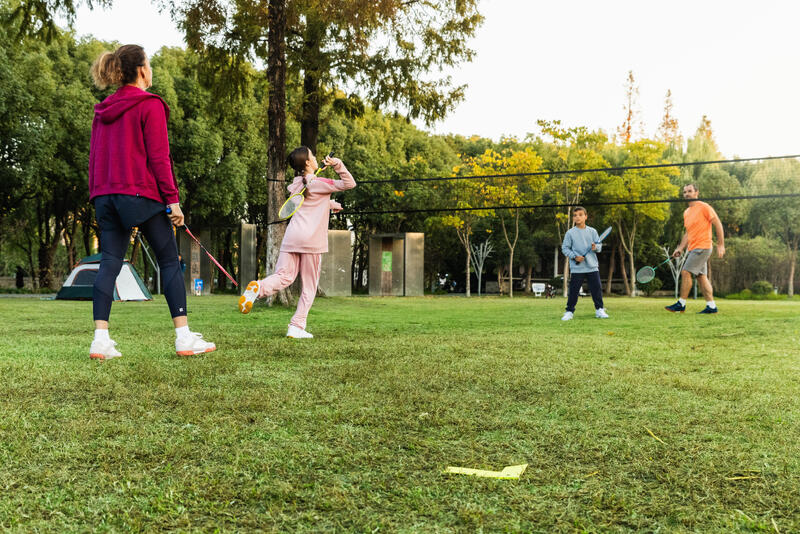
{"x": 580, "y": 246}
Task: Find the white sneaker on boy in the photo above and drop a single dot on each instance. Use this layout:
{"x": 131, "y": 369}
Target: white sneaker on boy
{"x": 297, "y": 333}
{"x": 104, "y": 349}
{"x": 600, "y": 313}
{"x": 193, "y": 344}
{"x": 567, "y": 316}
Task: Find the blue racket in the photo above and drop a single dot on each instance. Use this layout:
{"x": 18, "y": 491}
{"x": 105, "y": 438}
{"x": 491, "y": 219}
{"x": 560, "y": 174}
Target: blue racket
{"x": 599, "y": 239}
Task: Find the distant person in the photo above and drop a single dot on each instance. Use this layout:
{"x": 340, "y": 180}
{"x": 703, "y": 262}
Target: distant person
{"x": 580, "y": 245}
{"x": 131, "y": 182}
{"x": 698, "y": 219}
{"x": 306, "y": 237}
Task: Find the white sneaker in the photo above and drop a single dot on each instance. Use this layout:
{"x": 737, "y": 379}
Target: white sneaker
{"x": 248, "y": 297}
{"x": 297, "y": 333}
{"x": 104, "y": 350}
{"x": 567, "y": 316}
{"x": 600, "y": 313}
{"x": 193, "y": 344}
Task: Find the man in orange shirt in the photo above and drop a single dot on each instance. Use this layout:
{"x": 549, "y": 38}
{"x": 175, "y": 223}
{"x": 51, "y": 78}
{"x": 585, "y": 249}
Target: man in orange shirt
{"x": 698, "y": 219}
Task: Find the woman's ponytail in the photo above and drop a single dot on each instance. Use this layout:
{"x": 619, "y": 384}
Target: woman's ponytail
{"x": 118, "y": 68}
{"x": 107, "y": 70}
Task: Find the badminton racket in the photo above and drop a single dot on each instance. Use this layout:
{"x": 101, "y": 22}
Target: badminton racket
{"x": 294, "y": 202}
{"x": 599, "y": 240}
{"x": 220, "y": 267}
{"x": 646, "y": 274}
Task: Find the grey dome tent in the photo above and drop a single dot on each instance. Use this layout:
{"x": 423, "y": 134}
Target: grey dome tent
{"x": 78, "y": 285}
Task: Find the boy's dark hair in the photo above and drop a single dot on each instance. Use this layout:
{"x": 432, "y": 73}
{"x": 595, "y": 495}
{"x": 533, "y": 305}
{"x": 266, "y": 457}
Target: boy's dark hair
{"x": 297, "y": 159}
{"x": 693, "y": 186}
{"x": 580, "y": 208}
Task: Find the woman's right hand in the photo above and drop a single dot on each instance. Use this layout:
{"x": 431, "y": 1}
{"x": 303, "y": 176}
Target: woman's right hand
{"x": 176, "y": 215}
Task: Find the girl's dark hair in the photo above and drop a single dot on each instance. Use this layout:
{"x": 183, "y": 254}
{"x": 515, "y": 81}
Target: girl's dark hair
{"x": 120, "y": 67}
{"x": 297, "y": 159}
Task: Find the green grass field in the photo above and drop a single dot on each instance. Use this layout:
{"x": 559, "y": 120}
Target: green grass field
{"x": 351, "y": 431}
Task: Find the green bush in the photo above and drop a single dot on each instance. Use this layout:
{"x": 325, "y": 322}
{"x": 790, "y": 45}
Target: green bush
{"x": 650, "y": 287}
{"x": 762, "y": 287}
{"x": 747, "y": 294}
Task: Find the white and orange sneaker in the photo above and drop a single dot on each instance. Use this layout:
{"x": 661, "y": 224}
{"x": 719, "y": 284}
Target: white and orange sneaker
{"x": 193, "y": 344}
{"x": 248, "y": 297}
{"x": 104, "y": 349}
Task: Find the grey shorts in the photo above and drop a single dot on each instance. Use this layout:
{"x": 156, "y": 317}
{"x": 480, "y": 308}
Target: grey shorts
{"x": 697, "y": 261}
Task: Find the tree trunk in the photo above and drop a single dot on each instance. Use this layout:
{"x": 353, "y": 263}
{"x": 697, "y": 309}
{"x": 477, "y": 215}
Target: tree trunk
{"x": 792, "y": 263}
{"x": 623, "y": 269}
{"x": 312, "y": 92}
{"x": 565, "y": 282}
{"x": 632, "y": 274}
{"x": 469, "y": 258}
{"x": 276, "y": 148}
{"x": 528, "y": 279}
{"x": 611, "y": 268}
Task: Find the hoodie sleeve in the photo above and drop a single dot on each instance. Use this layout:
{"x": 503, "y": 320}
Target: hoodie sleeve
{"x": 344, "y": 183}
{"x": 156, "y": 142}
{"x": 566, "y": 246}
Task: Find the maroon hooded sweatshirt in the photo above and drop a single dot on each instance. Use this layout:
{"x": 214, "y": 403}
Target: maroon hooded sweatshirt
{"x": 129, "y": 151}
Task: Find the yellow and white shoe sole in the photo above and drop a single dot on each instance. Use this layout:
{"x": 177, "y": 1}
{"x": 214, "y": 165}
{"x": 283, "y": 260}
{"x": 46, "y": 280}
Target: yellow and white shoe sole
{"x": 249, "y": 297}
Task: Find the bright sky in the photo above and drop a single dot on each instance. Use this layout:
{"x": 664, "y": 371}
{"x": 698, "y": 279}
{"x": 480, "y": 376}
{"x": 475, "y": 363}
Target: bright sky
{"x": 735, "y": 61}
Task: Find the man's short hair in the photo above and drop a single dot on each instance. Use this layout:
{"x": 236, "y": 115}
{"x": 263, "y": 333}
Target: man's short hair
{"x": 580, "y": 208}
{"x": 693, "y": 186}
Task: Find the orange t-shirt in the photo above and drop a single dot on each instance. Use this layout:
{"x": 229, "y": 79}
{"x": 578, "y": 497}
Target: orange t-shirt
{"x": 697, "y": 220}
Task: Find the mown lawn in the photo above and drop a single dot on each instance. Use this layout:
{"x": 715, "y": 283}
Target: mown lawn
{"x": 351, "y": 431}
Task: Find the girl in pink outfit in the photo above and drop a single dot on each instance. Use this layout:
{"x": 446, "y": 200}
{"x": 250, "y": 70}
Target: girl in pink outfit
{"x": 306, "y": 237}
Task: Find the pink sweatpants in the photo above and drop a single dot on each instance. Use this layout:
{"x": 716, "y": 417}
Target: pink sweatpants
{"x": 289, "y": 264}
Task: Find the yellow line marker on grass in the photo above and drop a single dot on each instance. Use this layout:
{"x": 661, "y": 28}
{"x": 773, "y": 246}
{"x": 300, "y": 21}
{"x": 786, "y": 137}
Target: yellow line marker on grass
{"x": 654, "y": 436}
{"x": 511, "y": 472}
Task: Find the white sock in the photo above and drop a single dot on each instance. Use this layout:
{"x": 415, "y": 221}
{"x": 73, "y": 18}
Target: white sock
{"x": 101, "y": 335}
{"x": 682, "y": 301}
{"x": 182, "y": 331}
{"x": 711, "y": 304}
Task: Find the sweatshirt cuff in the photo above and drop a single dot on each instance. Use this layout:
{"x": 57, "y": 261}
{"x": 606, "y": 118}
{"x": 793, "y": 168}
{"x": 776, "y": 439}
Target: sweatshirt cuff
{"x": 171, "y": 199}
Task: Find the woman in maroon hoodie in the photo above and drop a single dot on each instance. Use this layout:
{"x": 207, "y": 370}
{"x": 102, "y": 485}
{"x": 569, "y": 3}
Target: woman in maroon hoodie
{"x": 131, "y": 183}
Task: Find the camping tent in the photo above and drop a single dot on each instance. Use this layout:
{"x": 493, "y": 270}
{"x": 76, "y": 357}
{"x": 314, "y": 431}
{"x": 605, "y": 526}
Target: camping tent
{"x": 79, "y": 283}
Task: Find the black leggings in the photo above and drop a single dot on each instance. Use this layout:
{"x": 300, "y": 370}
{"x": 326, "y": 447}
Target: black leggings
{"x": 113, "y": 246}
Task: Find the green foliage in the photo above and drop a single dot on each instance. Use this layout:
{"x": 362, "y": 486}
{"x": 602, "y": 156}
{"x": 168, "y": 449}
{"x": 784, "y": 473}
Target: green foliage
{"x": 651, "y": 287}
{"x": 762, "y": 287}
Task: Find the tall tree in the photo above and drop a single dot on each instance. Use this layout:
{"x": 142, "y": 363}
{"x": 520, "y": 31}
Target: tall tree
{"x": 638, "y": 184}
{"x": 668, "y": 132}
{"x": 778, "y": 217}
{"x": 631, "y": 127}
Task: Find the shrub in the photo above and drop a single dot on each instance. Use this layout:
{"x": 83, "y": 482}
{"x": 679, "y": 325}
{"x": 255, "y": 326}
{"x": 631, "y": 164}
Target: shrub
{"x": 762, "y": 287}
{"x": 650, "y": 287}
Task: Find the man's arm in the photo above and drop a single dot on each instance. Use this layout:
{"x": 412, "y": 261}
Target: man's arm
{"x": 720, "y": 236}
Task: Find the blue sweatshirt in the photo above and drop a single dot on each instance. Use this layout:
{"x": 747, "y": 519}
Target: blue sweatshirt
{"x": 577, "y": 241}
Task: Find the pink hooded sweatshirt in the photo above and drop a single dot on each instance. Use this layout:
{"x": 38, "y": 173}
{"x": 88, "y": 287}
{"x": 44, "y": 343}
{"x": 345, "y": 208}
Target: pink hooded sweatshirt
{"x": 307, "y": 232}
{"x": 129, "y": 151}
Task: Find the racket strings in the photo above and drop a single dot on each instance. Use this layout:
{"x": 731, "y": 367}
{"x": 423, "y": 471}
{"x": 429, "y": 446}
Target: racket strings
{"x": 645, "y": 274}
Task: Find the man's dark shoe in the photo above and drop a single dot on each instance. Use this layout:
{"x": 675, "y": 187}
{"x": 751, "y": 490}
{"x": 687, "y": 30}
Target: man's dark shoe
{"x": 676, "y": 308}
{"x": 708, "y": 309}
